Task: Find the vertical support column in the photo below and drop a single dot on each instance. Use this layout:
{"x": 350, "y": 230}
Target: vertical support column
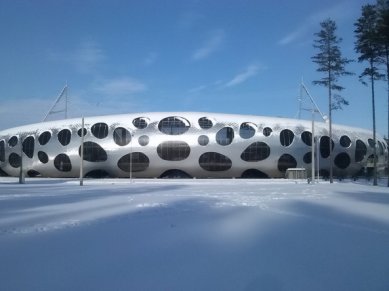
{"x": 313, "y": 147}
{"x": 21, "y": 172}
{"x": 82, "y": 154}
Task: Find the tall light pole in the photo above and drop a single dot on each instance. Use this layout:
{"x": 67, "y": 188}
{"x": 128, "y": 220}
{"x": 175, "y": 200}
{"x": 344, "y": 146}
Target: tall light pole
{"x": 82, "y": 153}
{"x": 21, "y": 172}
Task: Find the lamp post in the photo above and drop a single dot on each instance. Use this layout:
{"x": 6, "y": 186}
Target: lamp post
{"x": 82, "y": 154}
{"x": 21, "y": 172}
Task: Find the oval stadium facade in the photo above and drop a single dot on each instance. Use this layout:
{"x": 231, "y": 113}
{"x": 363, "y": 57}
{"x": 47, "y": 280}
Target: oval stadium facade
{"x": 184, "y": 144}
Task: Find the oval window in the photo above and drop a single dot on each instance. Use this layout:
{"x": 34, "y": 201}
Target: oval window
{"x": 225, "y": 136}
{"x": 205, "y": 123}
{"x": 100, "y": 130}
{"x": 93, "y": 152}
{"x": 173, "y": 125}
{"x": 44, "y": 137}
{"x": 173, "y": 150}
{"x": 247, "y": 130}
{"x": 255, "y": 152}
{"x": 121, "y": 136}
{"x": 62, "y": 163}
{"x": 140, "y": 122}
{"x": 212, "y": 161}
{"x": 64, "y": 136}
{"x": 28, "y": 146}
{"x": 135, "y": 162}
{"x": 286, "y": 137}
{"x": 306, "y": 137}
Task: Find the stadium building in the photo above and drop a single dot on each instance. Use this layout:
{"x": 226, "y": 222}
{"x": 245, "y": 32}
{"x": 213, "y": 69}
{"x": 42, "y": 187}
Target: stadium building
{"x": 185, "y": 144}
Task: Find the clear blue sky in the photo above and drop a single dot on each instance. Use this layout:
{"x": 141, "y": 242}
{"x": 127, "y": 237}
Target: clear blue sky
{"x": 244, "y": 57}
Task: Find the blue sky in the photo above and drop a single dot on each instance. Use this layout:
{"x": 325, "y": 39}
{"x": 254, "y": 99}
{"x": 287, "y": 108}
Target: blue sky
{"x": 244, "y": 57}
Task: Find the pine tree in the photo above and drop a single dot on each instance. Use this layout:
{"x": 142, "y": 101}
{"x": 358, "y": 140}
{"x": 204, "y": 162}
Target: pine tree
{"x": 383, "y": 31}
{"x": 332, "y": 64}
{"x": 368, "y": 46}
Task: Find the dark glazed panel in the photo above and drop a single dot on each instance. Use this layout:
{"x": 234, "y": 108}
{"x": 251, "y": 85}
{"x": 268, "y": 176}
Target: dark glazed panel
{"x": 44, "y": 137}
{"x": 173, "y": 150}
{"x": 64, "y": 136}
{"x": 121, "y": 136}
{"x": 247, "y": 130}
{"x": 205, "y": 123}
{"x": 285, "y": 162}
{"x": 28, "y": 146}
{"x": 173, "y": 125}
{"x": 212, "y": 161}
{"x": 93, "y": 152}
{"x": 225, "y": 136}
{"x": 286, "y": 137}
{"x": 255, "y": 152}
{"x": 62, "y": 163}
{"x": 100, "y": 130}
{"x": 135, "y": 162}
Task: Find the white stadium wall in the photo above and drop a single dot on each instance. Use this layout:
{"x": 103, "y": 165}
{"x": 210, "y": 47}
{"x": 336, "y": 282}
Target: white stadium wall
{"x": 184, "y": 144}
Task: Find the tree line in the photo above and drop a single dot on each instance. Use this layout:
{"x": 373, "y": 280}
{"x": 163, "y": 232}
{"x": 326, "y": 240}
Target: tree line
{"x": 372, "y": 46}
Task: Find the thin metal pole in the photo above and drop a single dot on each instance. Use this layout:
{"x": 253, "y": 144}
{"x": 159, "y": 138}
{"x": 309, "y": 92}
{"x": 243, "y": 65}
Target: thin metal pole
{"x": 21, "y": 173}
{"x": 82, "y": 154}
{"x": 131, "y": 158}
{"x": 313, "y": 147}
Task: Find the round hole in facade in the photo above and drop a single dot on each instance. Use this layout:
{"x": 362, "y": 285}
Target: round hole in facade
{"x": 325, "y": 146}
{"x": 97, "y": 174}
{"x": 345, "y": 141}
{"x": 33, "y": 173}
{"x": 2, "y": 151}
{"x": 14, "y": 160}
{"x": 13, "y": 141}
{"x": 254, "y": 174}
{"x": 267, "y": 131}
{"x": 203, "y": 140}
{"x": 212, "y": 161}
{"x": 44, "y": 137}
{"x": 342, "y": 160}
{"x": 135, "y": 162}
{"x": 173, "y": 150}
{"x": 205, "y": 123}
{"x": 121, "y": 136}
{"x": 255, "y": 152}
{"x": 225, "y": 136}
{"x": 307, "y": 158}
{"x": 143, "y": 140}
{"x": 64, "y": 136}
{"x": 306, "y": 137}
{"x": 175, "y": 174}
{"x": 174, "y": 125}
{"x": 286, "y": 137}
{"x": 285, "y": 162}
{"x": 100, "y": 130}
{"x": 28, "y": 146}
{"x": 43, "y": 157}
{"x": 360, "y": 150}
{"x": 80, "y": 132}
{"x": 247, "y": 130}
{"x": 62, "y": 163}
{"x": 140, "y": 122}
{"x": 93, "y": 152}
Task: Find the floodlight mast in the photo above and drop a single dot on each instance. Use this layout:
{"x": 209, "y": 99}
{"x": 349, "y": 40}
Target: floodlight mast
{"x": 63, "y": 93}
{"x": 324, "y": 117}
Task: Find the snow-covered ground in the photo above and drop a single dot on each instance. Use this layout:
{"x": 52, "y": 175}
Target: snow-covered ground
{"x": 193, "y": 235}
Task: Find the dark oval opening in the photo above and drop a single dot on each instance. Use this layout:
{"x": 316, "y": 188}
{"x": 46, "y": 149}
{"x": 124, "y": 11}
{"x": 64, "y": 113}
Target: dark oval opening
{"x": 254, "y": 174}
{"x": 173, "y": 150}
{"x": 225, "y": 136}
{"x": 44, "y": 137}
{"x": 255, "y": 152}
{"x": 64, "y": 136}
{"x": 212, "y": 161}
{"x": 62, "y": 163}
{"x": 93, "y": 152}
{"x": 100, "y": 130}
{"x": 135, "y": 162}
{"x": 285, "y": 162}
{"x": 175, "y": 174}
